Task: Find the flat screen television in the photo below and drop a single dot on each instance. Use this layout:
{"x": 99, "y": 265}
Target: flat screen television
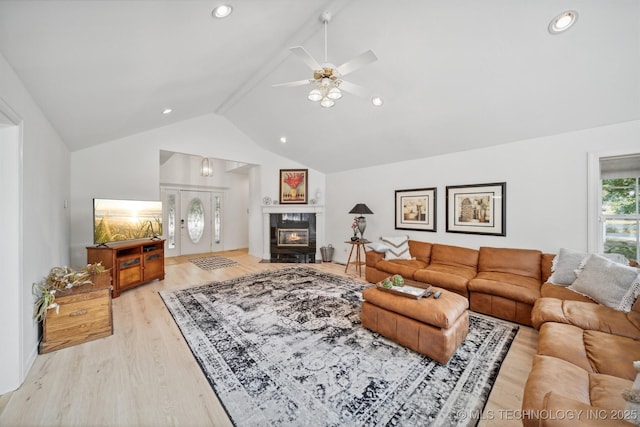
{"x": 116, "y": 220}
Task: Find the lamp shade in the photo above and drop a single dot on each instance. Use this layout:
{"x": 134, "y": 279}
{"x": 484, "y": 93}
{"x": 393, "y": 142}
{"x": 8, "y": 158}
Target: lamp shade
{"x": 334, "y": 93}
{"x": 327, "y": 103}
{"x": 315, "y": 95}
{"x": 361, "y": 208}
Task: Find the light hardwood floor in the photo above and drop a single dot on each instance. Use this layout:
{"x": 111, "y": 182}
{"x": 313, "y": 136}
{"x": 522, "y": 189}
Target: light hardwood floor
{"x": 145, "y": 374}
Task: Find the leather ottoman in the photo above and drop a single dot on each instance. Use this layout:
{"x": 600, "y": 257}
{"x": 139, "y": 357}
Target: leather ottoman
{"x": 433, "y": 327}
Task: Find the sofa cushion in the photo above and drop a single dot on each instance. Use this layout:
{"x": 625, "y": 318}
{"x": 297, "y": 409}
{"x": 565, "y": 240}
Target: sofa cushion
{"x": 612, "y": 354}
{"x": 560, "y": 411}
{"x": 404, "y": 267}
{"x": 606, "y": 281}
{"x": 586, "y": 315}
{"x": 451, "y": 267}
{"x": 420, "y": 250}
{"x": 507, "y": 285}
{"x": 372, "y": 258}
{"x": 593, "y": 351}
{"x": 551, "y": 290}
{"x": 398, "y": 247}
{"x": 553, "y": 374}
{"x": 568, "y": 261}
{"x": 521, "y": 262}
{"x": 454, "y": 256}
{"x": 452, "y": 278}
{"x": 564, "y": 342}
{"x": 605, "y": 391}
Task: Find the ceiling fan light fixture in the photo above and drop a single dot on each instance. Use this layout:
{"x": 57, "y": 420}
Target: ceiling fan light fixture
{"x": 315, "y": 95}
{"x": 327, "y": 82}
{"x": 327, "y": 103}
{"x": 334, "y": 93}
{"x": 563, "y": 22}
{"x": 222, "y": 11}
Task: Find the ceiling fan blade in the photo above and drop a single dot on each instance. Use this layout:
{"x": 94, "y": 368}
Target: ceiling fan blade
{"x": 357, "y": 62}
{"x": 354, "y": 89}
{"x": 296, "y": 83}
{"x": 302, "y": 53}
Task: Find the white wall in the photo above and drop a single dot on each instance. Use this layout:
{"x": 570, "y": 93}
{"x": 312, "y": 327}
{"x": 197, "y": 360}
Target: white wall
{"x": 128, "y": 168}
{"x": 45, "y": 221}
{"x": 546, "y": 190}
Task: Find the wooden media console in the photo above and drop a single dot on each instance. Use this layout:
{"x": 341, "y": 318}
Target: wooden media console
{"x": 132, "y": 262}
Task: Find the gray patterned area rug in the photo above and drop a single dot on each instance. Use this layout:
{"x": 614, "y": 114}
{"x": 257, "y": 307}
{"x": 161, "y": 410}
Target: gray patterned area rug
{"x": 286, "y": 348}
{"x": 213, "y": 262}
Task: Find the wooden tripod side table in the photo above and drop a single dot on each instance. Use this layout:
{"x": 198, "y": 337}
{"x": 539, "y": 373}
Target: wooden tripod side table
{"x": 359, "y": 261}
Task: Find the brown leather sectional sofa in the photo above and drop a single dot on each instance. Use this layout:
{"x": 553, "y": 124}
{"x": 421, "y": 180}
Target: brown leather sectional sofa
{"x": 585, "y": 350}
{"x": 501, "y": 282}
{"x": 584, "y": 361}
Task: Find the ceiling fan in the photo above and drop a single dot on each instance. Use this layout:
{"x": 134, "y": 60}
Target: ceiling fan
{"x": 327, "y": 78}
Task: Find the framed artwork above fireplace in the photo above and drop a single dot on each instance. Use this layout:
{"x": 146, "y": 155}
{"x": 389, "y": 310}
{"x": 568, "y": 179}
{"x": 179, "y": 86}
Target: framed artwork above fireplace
{"x": 293, "y": 186}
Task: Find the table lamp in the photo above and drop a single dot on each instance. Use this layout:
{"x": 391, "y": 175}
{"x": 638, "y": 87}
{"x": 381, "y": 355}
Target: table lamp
{"x": 361, "y": 209}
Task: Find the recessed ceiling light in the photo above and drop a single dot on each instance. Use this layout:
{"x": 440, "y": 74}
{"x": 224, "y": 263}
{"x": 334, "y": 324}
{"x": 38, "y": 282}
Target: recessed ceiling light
{"x": 563, "y": 22}
{"x": 283, "y": 139}
{"x": 167, "y": 111}
{"x": 222, "y": 11}
{"x": 377, "y": 101}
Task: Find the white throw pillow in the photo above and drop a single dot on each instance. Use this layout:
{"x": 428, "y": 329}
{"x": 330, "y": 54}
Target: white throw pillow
{"x": 631, "y": 296}
{"x": 398, "y": 247}
{"x": 378, "y": 247}
{"x": 605, "y": 281}
{"x": 567, "y": 261}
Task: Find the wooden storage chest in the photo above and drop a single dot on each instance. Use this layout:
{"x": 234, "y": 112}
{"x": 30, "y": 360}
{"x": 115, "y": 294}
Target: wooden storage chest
{"x": 83, "y": 314}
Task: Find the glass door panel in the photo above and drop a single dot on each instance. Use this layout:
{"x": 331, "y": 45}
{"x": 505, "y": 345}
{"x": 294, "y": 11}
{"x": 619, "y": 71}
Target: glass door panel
{"x": 217, "y": 222}
{"x": 195, "y": 222}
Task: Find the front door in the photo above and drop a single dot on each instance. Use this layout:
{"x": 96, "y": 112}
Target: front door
{"x": 196, "y": 222}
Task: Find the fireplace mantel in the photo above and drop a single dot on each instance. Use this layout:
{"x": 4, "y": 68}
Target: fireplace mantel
{"x": 279, "y": 209}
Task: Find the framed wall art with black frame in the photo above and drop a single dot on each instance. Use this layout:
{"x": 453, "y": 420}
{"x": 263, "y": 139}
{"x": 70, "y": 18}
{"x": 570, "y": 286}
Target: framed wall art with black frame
{"x": 477, "y": 209}
{"x": 293, "y": 186}
{"x": 416, "y": 209}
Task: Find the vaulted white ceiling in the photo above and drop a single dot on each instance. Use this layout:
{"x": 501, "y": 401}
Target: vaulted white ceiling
{"x": 454, "y": 74}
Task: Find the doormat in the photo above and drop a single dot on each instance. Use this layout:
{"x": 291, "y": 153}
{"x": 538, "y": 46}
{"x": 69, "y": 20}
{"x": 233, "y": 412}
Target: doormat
{"x": 286, "y": 348}
{"x": 213, "y": 262}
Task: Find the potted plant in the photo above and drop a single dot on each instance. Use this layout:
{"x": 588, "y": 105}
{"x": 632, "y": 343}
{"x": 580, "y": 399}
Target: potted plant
{"x": 61, "y": 278}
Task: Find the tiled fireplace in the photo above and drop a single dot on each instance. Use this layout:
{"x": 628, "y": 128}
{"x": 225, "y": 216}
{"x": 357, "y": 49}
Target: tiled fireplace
{"x": 292, "y": 233}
